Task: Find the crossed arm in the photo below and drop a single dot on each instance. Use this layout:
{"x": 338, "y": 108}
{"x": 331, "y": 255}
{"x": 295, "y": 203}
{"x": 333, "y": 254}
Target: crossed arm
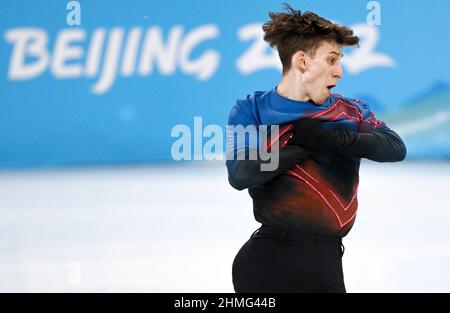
{"x": 380, "y": 145}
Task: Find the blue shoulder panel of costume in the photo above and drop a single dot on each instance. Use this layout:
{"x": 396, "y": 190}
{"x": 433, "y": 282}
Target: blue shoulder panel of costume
{"x": 248, "y": 105}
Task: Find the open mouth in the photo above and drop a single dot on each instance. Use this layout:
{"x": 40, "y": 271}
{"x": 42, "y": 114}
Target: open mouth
{"x": 329, "y": 88}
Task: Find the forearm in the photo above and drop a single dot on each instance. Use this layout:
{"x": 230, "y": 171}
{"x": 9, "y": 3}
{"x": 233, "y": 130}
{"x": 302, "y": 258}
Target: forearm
{"x": 247, "y": 173}
{"x": 379, "y": 145}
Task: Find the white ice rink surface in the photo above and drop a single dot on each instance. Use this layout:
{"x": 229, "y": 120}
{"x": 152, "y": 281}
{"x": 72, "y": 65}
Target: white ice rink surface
{"x": 178, "y": 228}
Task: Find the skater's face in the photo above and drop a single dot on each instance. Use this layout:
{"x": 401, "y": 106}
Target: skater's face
{"x": 321, "y": 71}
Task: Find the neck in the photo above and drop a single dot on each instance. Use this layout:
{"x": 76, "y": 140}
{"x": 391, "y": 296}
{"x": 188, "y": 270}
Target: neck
{"x": 291, "y": 87}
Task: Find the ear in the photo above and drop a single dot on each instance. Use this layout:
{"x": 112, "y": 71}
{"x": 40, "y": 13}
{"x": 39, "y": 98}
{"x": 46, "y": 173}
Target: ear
{"x": 300, "y": 60}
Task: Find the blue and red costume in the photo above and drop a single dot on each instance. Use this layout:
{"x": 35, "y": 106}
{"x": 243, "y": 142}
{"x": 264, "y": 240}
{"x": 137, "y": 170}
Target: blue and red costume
{"x": 315, "y": 192}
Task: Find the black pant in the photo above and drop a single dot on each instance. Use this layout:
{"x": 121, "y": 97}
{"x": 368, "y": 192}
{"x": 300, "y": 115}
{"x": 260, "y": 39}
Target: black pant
{"x": 277, "y": 260}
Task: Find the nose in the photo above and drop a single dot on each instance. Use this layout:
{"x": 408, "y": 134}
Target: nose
{"x": 339, "y": 73}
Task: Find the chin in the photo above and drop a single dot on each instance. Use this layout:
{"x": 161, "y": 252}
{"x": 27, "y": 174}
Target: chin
{"x": 320, "y": 101}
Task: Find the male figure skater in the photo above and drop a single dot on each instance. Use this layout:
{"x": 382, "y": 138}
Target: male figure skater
{"x": 308, "y": 204}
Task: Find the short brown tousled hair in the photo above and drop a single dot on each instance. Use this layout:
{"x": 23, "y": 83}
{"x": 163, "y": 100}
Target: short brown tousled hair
{"x": 293, "y": 31}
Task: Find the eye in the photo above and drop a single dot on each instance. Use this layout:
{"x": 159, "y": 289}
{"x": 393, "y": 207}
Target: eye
{"x": 332, "y": 61}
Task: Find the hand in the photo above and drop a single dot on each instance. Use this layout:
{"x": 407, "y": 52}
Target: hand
{"x": 310, "y": 133}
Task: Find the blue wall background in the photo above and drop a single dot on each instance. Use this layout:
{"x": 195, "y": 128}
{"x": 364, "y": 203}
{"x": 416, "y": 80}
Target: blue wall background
{"x": 65, "y": 117}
